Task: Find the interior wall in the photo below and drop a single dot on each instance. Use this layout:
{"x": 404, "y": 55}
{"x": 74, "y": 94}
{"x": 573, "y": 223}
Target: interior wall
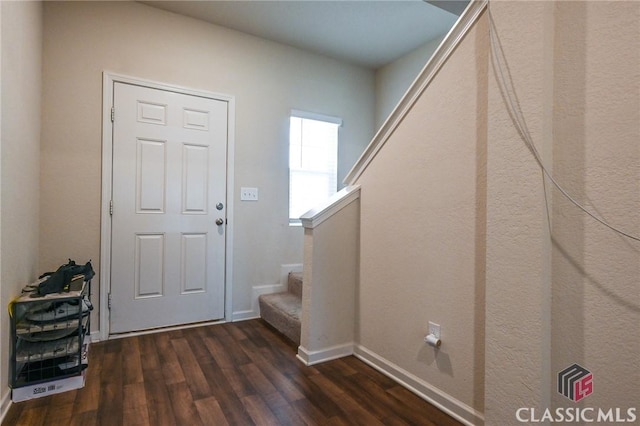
{"x": 558, "y": 281}
{"x": 83, "y": 39}
{"x": 395, "y": 78}
{"x": 523, "y": 283}
{"x": 518, "y": 242}
{"x": 596, "y": 122}
{"x": 422, "y": 233}
{"x": 21, "y": 43}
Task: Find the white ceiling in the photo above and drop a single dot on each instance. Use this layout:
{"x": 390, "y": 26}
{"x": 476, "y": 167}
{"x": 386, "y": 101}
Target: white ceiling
{"x": 369, "y": 33}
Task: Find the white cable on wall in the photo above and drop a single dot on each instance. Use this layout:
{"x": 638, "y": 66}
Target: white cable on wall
{"x": 505, "y": 84}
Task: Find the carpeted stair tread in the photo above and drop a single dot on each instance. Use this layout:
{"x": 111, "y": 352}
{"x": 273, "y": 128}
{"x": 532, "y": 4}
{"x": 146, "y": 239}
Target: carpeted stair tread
{"x": 282, "y": 311}
{"x": 288, "y": 303}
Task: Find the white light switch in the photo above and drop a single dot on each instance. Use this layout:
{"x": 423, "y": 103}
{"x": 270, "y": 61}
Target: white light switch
{"x": 248, "y": 194}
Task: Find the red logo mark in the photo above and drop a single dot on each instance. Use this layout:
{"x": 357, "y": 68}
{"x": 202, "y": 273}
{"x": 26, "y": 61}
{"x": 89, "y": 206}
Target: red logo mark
{"x": 583, "y": 387}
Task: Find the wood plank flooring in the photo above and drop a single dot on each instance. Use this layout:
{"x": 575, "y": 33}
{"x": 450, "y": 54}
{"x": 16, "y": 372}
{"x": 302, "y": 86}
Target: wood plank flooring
{"x": 240, "y": 373}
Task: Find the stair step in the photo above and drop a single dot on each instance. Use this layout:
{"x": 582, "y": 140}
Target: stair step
{"x": 282, "y": 311}
{"x": 294, "y": 283}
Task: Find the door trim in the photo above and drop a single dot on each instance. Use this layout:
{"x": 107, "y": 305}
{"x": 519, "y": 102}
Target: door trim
{"x": 108, "y": 80}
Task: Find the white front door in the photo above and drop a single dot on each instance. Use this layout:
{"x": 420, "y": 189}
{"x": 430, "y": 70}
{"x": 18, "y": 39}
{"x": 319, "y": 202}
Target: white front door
{"x": 169, "y": 204}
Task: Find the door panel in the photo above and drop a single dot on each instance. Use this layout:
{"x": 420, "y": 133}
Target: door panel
{"x": 194, "y": 263}
{"x": 151, "y": 165}
{"x": 194, "y": 180}
{"x": 149, "y": 266}
{"x": 169, "y": 172}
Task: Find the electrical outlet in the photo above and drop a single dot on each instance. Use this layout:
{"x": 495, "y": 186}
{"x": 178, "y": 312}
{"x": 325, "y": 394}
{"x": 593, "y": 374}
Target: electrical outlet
{"x": 434, "y": 329}
{"x": 248, "y": 194}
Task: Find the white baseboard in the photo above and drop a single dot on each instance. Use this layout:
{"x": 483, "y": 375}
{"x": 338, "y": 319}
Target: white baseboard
{"x": 244, "y": 315}
{"x": 5, "y": 404}
{"x": 309, "y": 358}
{"x": 445, "y": 402}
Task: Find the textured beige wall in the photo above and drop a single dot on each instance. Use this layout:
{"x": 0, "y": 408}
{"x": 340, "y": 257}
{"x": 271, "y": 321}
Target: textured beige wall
{"x": 567, "y": 291}
{"x": 20, "y": 145}
{"x": 422, "y": 232}
{"x": 518, "y": 247}
{"x": 596, "y": 273}
{"x": 328, "y": 313}
{"x": 522, "y": 282}
{"x": 82, "y": 39}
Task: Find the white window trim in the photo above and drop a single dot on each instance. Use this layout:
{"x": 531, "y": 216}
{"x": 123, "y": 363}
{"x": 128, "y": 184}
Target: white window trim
{"x": 315, "y": 116}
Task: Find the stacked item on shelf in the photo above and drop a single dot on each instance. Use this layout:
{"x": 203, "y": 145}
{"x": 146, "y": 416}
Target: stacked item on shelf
{"x": 50, "y": 338}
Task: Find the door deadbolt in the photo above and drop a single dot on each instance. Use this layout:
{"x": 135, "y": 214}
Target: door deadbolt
{"x": 219, "y": 206}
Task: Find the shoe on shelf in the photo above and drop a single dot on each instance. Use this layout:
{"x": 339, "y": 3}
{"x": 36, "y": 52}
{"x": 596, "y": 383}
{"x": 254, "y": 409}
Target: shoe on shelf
{"x": 59, "y": 312}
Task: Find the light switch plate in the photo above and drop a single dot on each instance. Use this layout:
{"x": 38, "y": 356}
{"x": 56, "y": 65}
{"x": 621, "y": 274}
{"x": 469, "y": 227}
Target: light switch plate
{"x": 248, "y": 194}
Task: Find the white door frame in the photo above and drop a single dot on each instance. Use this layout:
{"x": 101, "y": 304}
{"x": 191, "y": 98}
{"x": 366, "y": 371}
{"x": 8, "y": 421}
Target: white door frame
{"x": 108, "y": 80}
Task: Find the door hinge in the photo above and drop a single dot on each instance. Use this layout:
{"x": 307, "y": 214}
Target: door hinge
{"x": 113, "y": 114}
{"x": 109, "y": 301}
{"x": 110, "y": 207}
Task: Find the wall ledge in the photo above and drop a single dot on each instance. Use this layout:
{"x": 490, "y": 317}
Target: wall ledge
{"x": 462, "y": 26}
{"x": 333, "y": 205}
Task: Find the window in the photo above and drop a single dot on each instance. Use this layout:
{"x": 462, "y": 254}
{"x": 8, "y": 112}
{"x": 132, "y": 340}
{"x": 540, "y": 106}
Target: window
{"x": 313, "y": 161}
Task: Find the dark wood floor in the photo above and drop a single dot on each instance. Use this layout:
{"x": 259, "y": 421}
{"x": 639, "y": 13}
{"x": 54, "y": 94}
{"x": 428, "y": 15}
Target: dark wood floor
{"x": 240, "y": 373}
